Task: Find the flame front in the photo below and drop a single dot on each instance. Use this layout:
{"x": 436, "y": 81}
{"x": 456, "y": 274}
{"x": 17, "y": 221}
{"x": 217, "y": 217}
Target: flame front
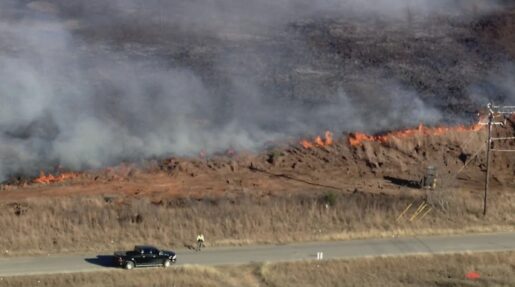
{"x": 328, "y": 138}
{"x": 318, "y": 141}
{"x": 306, "y": 144}
{"x": 359, "y": 138}
{"x": 47, "y": 179}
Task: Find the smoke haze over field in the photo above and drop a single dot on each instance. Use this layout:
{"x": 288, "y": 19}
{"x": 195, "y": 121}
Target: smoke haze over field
{"x": 85, "y": 84}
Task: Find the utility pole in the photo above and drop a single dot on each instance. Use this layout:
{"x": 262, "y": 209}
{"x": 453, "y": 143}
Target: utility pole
{"x": 488, "y": 145}
{"x": 493, "y": 112}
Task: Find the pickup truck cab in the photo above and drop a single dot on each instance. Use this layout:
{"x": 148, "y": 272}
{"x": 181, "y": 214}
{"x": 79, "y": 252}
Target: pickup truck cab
{"x": 143, "y": 256}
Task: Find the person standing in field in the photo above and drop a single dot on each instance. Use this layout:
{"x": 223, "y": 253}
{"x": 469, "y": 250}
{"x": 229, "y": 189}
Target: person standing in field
{"x": 200, "y": 241}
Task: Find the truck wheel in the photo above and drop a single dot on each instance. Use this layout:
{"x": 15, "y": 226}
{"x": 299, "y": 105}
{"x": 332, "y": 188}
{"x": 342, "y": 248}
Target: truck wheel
{"x": 129, "y": 265}
{"x": 166, "y": 263}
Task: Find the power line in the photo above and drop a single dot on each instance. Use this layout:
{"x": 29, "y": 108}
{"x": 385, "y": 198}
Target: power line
{"x": 502, "y": 139}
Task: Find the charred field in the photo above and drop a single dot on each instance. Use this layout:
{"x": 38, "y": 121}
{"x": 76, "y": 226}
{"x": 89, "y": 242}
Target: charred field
{"x": 141, "y": 118}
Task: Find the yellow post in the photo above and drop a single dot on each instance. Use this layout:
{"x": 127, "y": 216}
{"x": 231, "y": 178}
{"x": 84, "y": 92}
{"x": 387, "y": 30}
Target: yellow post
{"x": 418, "y": 211}
{"x": 425, "y": 213}
{"x": 405, "y": 210}
{"x": 420, "y": 206}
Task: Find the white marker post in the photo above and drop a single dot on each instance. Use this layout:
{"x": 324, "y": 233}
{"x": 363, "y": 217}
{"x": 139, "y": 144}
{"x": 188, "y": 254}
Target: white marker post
{"x": 320, "y": 255}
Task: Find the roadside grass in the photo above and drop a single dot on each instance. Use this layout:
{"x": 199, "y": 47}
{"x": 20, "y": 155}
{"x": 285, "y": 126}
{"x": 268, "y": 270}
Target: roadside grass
{"x": 181, "y": 276}
{"x": 94, "y": 224}
{"x": 495, "y": 269}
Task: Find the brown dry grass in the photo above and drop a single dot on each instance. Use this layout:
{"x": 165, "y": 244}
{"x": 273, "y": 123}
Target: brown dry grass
{"x": 91, "y": 224}
{"x": 495, "y": 269}
{"x": 181, "y": 276}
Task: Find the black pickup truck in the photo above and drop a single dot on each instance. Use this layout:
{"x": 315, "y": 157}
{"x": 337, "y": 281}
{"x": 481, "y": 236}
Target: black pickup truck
{"x": 144, "y": 256}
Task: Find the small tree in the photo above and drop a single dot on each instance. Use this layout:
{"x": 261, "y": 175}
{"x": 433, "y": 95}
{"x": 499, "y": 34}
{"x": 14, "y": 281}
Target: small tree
{"x": 329, "y": 198}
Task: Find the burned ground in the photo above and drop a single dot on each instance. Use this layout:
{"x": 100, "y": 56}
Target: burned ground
{"x": 92, "y": 85}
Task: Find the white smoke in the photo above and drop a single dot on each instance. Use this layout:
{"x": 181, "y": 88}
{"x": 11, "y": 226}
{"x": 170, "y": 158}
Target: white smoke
{"x": 82, "y": 100}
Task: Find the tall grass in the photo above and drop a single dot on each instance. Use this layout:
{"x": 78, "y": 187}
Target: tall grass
{"x": 97, "y": 224}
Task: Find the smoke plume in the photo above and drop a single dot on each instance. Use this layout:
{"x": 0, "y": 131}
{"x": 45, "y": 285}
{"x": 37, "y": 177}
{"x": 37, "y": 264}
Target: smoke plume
{"x": 84, "y": 84}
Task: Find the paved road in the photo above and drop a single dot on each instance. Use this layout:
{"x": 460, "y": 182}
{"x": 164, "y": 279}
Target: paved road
{"x": 275, "y": 253}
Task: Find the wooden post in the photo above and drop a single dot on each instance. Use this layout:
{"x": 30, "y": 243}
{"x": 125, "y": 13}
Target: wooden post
{"x": 488, "y": 142}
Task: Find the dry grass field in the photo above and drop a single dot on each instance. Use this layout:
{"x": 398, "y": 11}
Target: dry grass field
{"x": 494, "y": 269}
{"x": 92, "y": 224}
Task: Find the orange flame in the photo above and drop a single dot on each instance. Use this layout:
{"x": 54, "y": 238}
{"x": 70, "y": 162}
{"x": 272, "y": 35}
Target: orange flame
{"x": 328, "y": 138}
{"x": 306, "y": 144}
{"x": 318, "y": 141}
{"x": 359, "y": 138}
{"x": 48, "y": 179}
